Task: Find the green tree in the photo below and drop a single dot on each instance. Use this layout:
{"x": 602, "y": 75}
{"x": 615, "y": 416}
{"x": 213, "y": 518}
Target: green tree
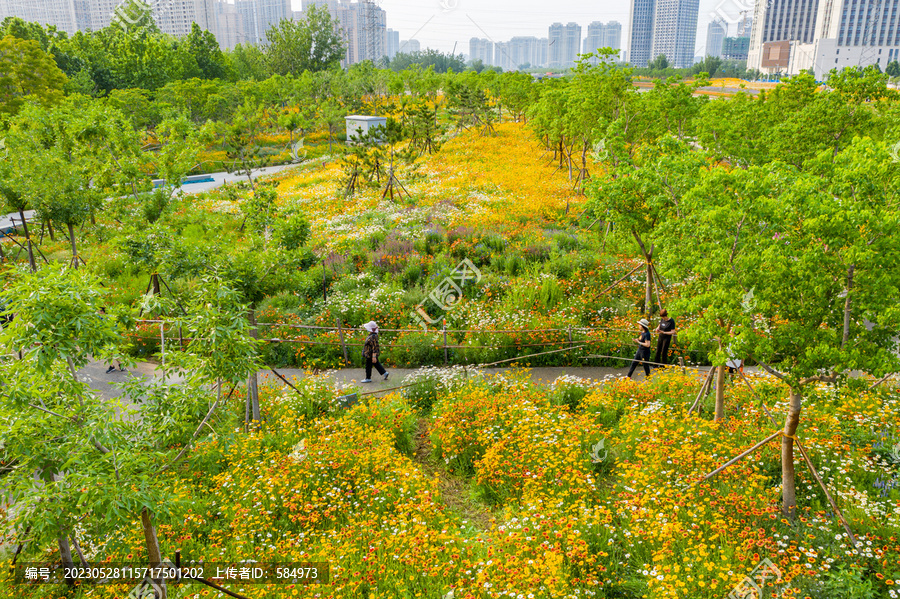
{"x": 313, "y": 44}
{"x": 26, "y": 71}
{"x": 892, "y": 69}
{"x": 660, "y": 63}
{"x": 816, "y": 257}
{"x": 202, "y": 45}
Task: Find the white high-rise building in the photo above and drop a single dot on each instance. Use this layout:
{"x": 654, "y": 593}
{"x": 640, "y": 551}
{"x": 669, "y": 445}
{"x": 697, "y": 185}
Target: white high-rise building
{"x": 391, "y": 43}
{"x": 410, "y": 46}
{"x": 675, "y": 31}
{"x": 600, "y": 35}
{"x": 715, "y": 37}
{"x": 258, "y": 16}
{"x": 481, "y": 49}
{"x": 565, "y": 44}
{"x": 173, "y": 16}
{"x": 790, "y": 36}
{"x": 593, "y": 39}
{"x": 612, "y": 35}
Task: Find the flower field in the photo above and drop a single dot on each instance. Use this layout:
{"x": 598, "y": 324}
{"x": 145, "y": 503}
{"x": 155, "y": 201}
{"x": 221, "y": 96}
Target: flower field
{"x": 557, "y": 512}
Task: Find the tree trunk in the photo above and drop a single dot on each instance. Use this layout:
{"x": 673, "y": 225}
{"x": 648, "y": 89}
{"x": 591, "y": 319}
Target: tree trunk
{"x": 65, "y": 555}
{"x": 253, "y": 382}
{"x": 720, "y": 394}
{"x": 155, "y": 280}
{"x": 788, "y": 481}
{"x": 152, "y": 543}
{"x": 648, "y": 290}
{"x": 74, "y": 247}
{"x": 28, "y": 241}
{"x": 50, "y": 229}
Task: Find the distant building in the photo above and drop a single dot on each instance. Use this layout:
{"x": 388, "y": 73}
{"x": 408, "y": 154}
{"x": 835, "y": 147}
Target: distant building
{"x": 174, "y": 17}
{"x": 410, "y": 46}
{"x": 525, "y": 50}
{"x": 789, "y": 36}
{"x": 715, "y": 37}
{"x": 565, "y": 44}
{"x": 363, "y": 26}
{"x": 639, "y": 43}
{"x": 735, "y": 48}
{"x": 258, "y": 16}
{"x": 612, "y": 35}
{"x": 502, "y": 57}
{"x": 745, "y": 26}
{"x": 675, "y": 31}
{"x": 600, "y": 35}
{"x": 392, "y": 43}
{"x": 481, "y": 49}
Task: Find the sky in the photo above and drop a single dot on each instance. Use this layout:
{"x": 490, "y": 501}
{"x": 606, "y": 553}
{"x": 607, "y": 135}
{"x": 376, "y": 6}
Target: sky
{"x": 441, "y": 24}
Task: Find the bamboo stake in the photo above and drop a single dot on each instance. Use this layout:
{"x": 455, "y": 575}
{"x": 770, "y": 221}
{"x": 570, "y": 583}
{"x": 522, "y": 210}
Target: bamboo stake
{"x": 827, "y": 494}
{"x": 703, "y": 389}
{"x": 738, "y": 458}
{"x": 635, "y": 269}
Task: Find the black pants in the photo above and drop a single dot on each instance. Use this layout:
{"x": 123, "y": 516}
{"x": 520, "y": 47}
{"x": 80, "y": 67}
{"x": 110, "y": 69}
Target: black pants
{"x": 662, "y": 349}
{"x": 377, "y": 366}
{"x": 640, "y": 358}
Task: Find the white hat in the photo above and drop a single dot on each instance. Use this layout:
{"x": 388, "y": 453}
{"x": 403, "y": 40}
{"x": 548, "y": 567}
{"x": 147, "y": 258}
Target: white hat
{"x": 370, "y": 326}
{"x": 644, "y": 322}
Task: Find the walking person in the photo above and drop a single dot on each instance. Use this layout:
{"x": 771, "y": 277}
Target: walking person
{"x": 371, "y": 351}
{"x": 666, "y": 330}
{"x": 112, "y": 367}
{"x": 642, "y": 356}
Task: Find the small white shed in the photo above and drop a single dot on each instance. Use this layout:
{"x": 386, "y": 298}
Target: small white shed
{"x": 356, "y": 123}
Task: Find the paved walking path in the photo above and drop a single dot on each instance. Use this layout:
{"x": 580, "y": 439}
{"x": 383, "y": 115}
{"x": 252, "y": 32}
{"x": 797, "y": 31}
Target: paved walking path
{"x": 101, "y": 381}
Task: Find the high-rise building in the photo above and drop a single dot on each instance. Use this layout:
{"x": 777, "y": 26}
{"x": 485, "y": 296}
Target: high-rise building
{"x": 593, "y": 39}
{"x": 639, "y": 44}
{"x": 600, "y": 35}
{"x": 60, "y": 13}
{"x": 391, "y": 43}
{"x": 502, "y": 57}
{"x": 715, "y": 37}
{"x": 735, "y": 48}
{"x": 174, "y": 17}
{"x": 410, "y": 46}
{"x": 789, "y": 36}
{"x": 258, "y": 16}
{"x": 565, "y": 44}
{"x": 481, "y": 49}
{"x": 612, "y": 35}
{"x": 675, "y": 31}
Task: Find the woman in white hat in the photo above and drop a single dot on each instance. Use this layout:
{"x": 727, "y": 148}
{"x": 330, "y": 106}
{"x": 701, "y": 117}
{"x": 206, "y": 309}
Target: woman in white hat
{"x": 371, "y": 350}
{"x": 643, "y": 352}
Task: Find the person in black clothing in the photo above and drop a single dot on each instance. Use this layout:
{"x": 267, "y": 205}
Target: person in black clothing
{"x": 665, "y": 329}
{"x": 371, "y": 350}
{"x": 643, "y": 352}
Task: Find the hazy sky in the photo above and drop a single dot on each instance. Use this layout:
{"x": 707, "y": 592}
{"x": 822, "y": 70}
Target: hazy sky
{"x": 455, "y": 21}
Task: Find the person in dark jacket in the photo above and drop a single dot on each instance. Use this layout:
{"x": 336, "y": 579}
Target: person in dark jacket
{"x": 642, "y": 356}
{"x": 666, "y": 330}
{"x": 371, "y": 351}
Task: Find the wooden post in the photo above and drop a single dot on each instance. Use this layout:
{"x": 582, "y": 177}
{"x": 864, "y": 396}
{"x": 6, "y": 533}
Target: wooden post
{"x": 681, "y": 362}
{"x": 324, "y": 289}
{"x": 446, "y": 352}
{"x": 162, "y": 348}
{"x": 570, "y": 336}
{"x": 343, "y": 344}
